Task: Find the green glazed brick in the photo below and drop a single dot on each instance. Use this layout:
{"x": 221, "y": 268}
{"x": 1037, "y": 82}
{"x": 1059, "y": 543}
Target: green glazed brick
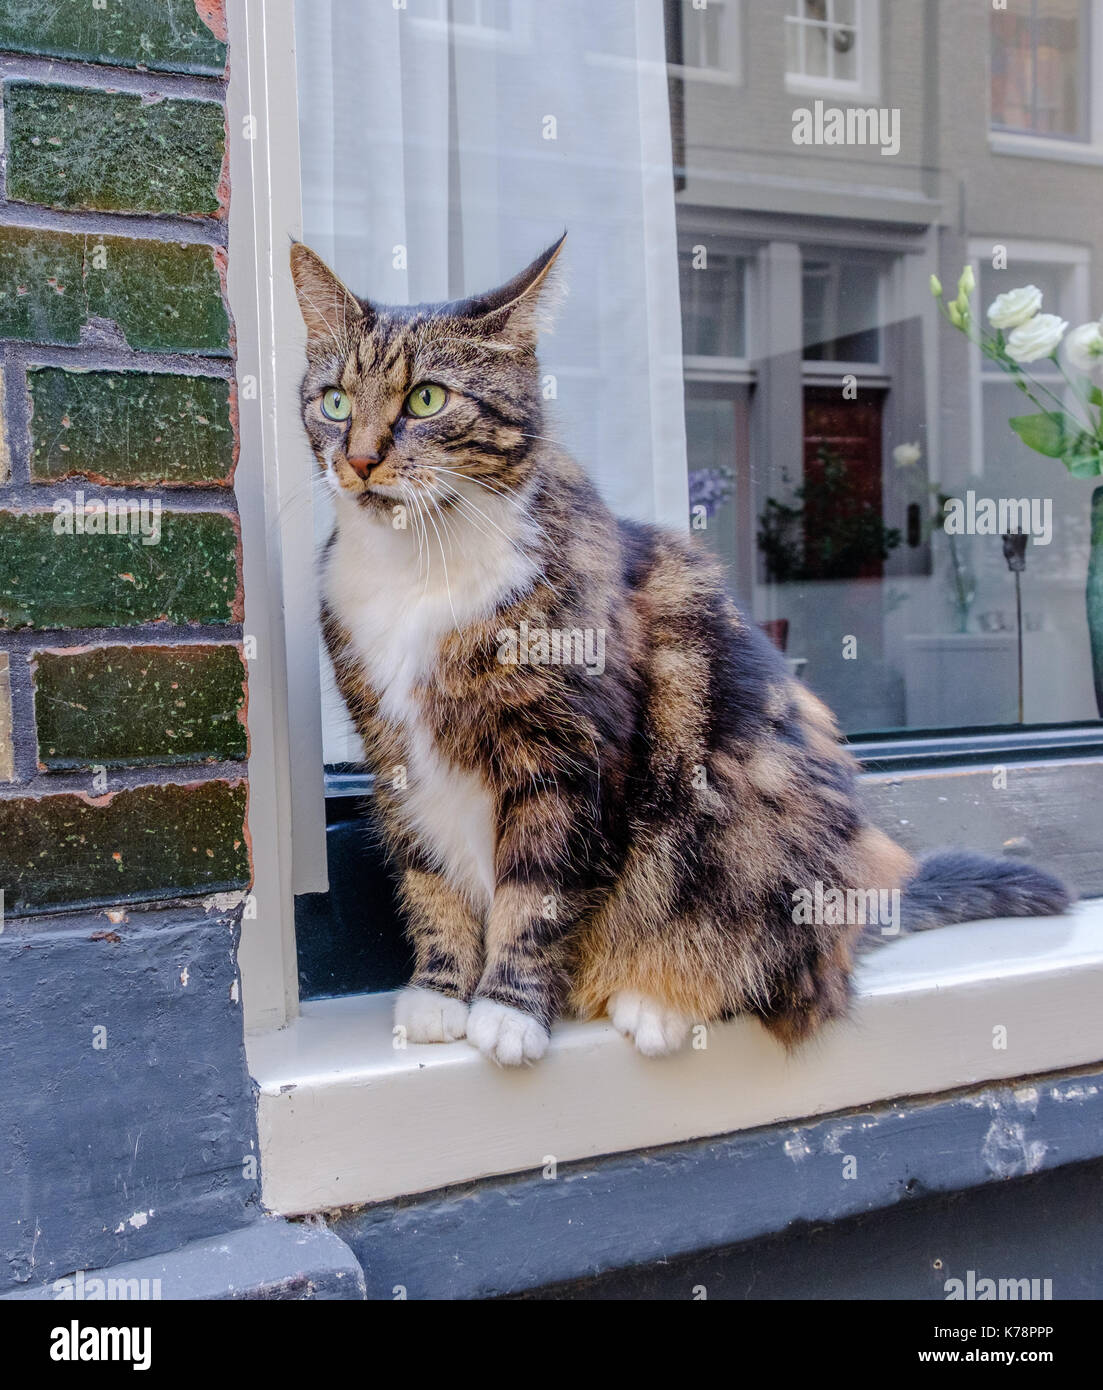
{"x": 130, "y": 427}
{"x": 7, "y": 745}
{"x": 117, "y": 706}
{"x": 161, "y": 296}
{"x": 145, "y": 842}
{"x": 54, "y": 578}
{"x": 69, "y": 147}
{"x": 165, "y": 35}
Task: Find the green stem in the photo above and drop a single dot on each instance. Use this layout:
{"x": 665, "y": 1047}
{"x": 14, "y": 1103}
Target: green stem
{"x": 1020, "y": 378}
{"x": 1077, "y": 391}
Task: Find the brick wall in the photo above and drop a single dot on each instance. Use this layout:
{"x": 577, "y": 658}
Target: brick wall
{"x": 123, "y": 846}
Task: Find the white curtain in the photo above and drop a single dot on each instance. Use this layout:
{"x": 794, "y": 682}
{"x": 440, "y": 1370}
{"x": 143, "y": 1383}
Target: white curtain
{"x": 446, "y": 142}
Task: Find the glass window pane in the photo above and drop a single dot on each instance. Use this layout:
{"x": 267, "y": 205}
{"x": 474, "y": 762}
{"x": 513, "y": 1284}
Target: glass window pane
{"x": 841, "y": 302}
{"x": 845, "y": 55}
{"x": 716, "y": 447}
{"x": 794, "y": 62}
{"x": 1039, "y": 56}
{"x": 816, "y": 60}
{"x": 1052, "y": 280}
{"x": 823, "y": 444}
{"x": 1060, "y": 48}
{"x": 496, "y": 13}
{"x": 713, "y": 305}
{"x": 465, "y": 12}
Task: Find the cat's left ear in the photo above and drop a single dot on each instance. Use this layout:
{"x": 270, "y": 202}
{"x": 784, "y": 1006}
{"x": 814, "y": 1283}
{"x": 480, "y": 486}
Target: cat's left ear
{"x": 518, "y": 310}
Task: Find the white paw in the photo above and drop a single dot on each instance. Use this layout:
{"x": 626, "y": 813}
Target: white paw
{"x": 655, "y": 1029}
{"x": 429, "y": 1017}
{"x": 505, "y": 1035}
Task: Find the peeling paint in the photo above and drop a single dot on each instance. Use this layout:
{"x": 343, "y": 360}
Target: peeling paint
{"x": 832, "y": 1143}
{"x": 1068, "y": 1093}
{"x": 798, "y": 1147}
{"x": 1006, "y": 1151}
{"x": 138, "y": 1220}
{"x": 224, "y": 902}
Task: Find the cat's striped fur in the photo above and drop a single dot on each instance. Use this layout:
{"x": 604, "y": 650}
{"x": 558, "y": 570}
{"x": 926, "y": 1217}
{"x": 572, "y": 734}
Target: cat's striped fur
{"x": 628, "y": 841}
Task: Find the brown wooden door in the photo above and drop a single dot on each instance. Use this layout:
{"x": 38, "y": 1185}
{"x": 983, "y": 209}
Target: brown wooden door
{"x": 843, "y": 521}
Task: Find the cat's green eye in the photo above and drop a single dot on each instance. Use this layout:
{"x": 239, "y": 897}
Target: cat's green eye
{"x": 425, "y": 400}
{"x": 336, "y": 405}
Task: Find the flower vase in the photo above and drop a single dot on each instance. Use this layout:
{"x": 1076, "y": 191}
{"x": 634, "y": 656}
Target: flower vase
{"x": 1095, "y": 595}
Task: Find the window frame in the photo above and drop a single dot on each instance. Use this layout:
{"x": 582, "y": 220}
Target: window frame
{"x": 516, "y": 38}
{"x": 323, "y": 1103}
{"x": 731, "y": 73}
{"x": 1076, "y": 259}
{"x": 866, "y": 85}
{"x": 1063, "y": 148}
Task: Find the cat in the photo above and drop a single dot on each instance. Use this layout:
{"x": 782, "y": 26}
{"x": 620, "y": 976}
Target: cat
{"x": 633, "y": 836}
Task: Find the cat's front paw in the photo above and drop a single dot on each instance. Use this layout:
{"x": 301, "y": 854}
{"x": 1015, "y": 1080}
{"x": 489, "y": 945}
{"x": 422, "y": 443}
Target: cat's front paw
{"x": 430, "y": 1017}
{"x": 505, "y": 1035}
{"x": 655, "y": 1029}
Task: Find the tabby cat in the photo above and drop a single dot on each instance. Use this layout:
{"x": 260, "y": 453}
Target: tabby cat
{"x": 637, "y": 834}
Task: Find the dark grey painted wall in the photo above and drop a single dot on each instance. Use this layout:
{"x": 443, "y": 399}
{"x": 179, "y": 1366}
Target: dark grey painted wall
{"x": 515, "y": 1235}
{"x": 1049, "y": 1226}
{"x": 114, "y": 1153}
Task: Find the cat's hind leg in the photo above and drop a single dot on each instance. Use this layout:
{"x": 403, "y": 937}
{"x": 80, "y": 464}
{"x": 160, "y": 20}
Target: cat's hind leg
{"x": 654, "y": 1027}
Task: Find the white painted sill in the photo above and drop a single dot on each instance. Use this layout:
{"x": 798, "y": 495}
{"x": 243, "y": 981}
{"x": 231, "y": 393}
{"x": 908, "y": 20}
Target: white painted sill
{"x": 345, "y": 1118}
{"x": 1038, "y": 147}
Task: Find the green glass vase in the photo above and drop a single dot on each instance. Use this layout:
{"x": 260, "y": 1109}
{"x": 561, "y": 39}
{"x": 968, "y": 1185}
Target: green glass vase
{"x": 1095, "y": 596}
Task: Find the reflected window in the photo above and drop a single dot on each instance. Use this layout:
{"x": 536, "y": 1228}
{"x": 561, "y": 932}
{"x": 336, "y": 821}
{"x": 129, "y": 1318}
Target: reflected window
{"x": 714, "y": 302}
{"x": 704, "y": 40}
{"x": 822, "y": 40}
{"x": 1040, "y": 65}
{"x": 841, "y": 302}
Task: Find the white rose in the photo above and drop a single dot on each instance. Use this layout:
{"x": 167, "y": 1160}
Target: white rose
{"x": 1015, "y": 307}
{"x": 1084, "y": 348}
{"x": 907, "y": 455}
{"x": 1041, "y": 337}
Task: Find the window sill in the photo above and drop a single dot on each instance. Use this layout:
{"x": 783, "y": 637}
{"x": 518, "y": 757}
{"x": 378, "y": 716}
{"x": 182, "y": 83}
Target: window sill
{"x": 1039, "y": 147}
{"x": 838, "y": 89}
{"x": 344, "y": 1118}
{"x": 717, "y": 77}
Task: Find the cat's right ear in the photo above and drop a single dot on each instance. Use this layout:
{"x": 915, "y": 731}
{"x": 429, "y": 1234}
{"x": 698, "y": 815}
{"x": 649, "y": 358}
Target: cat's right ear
{"x": 328, "y": 308}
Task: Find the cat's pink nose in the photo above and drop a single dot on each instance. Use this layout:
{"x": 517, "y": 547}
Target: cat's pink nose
{"x": 363, "y": 464}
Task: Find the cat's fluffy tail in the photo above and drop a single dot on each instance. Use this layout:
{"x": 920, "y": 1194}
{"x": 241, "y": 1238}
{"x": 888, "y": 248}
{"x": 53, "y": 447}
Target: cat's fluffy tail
{"x": 959, "y": 886}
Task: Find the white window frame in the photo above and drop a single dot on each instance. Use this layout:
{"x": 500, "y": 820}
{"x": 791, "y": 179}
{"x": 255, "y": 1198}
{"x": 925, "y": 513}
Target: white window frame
{"x": 344, "y": 1117}
{"x": 866, "y": 372}
{"x": 866, "y": 85}
{"x": 516, "y": 38}
{"x": 1074, "y": 307}
{"x": 1064, "y": 148}
{"x": 730, "y": 71}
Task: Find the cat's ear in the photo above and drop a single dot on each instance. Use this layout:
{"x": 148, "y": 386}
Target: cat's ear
{"x": 519, "y": 309}
{"x": 328, "y": 308}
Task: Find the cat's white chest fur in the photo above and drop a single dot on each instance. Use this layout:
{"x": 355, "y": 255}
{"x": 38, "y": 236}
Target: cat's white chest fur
{"x": 375, "y": 584}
